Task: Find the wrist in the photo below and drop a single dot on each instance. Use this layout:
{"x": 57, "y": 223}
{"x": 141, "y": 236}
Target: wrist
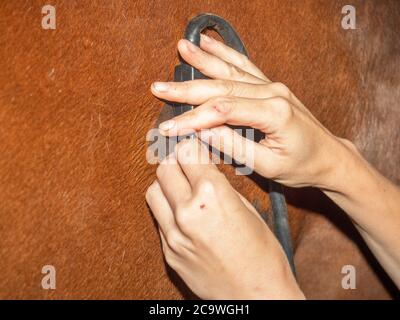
{"x": 282, "y": 286}
{"x": 290, "y": 293}
{"x": 349, "y": 173}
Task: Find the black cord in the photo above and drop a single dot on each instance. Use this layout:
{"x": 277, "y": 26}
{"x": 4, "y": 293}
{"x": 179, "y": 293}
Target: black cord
{"x": 185, "y": 72}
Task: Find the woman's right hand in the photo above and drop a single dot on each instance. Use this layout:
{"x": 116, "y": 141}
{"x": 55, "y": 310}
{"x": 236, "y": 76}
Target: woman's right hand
{"x": 297, "y": 150}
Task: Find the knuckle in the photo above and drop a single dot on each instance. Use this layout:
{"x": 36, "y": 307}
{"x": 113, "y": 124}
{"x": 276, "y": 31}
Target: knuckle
{"x": 282, "y": 90}
{"x": 208, "y": 185}
{"x": 205, "y": 183}
{"x": 228, "y": 87}
{"x": 236, "y": 73}
{"x": 181, "y": 89}
{"x": 174, "y": 240}
{"x": 283, "y": 109}
{"x": 186, "y": 85}
{"x": 243, "y": 61}
{"x": 223, "y": 103}
{"x": 182, "y": 215}
{"x": 349, "y": 144}
{"x": 219, "y": 100}
{"x": 281, "y": 103}
{"x": 170, "y": 259}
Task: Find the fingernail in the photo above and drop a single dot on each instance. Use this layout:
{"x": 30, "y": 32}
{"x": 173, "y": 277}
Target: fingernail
{"x": 167, "y": 125}
{"x": 191, "y": 47}
{"x": 206, "y": 38}
{"x": 161, "y": 86}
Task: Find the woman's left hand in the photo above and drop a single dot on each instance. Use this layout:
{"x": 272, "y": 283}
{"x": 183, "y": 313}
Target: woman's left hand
{"x": 211, "y": 235}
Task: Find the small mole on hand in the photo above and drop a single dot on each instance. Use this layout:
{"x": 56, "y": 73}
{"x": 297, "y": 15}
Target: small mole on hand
{"x": 202, "y": 206}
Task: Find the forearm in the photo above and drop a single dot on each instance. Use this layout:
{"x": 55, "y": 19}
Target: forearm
{"x": 372, "y": 202}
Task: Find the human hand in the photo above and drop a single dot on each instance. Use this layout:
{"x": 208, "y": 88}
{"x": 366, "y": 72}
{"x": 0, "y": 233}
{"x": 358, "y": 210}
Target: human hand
{"x": 297, "y": 150}
{"x": 211, "y": 235}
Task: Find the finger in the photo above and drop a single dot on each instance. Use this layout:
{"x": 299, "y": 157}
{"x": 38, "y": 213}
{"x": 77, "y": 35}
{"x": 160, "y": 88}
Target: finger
{"x": 175, "y": 244}
{"x": 196, "y": 92}
{"x": 193, "y": 157}
{"x": 168, "y": 252}
{"x": 213, "y": 66}
{"x": 160, "y": 207}
{"x": 215, "y": 192}
{"x": 230, "y": 55}
{"x": 248, "y": 205}
{"x": 266, "y": 115}
{"x": 171, "y": 257}
{"x": 173, "y": 181}
{"x": 242, "y": 149}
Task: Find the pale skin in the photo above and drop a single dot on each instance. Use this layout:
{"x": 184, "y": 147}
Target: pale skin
{"x": 210, "y": 234}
